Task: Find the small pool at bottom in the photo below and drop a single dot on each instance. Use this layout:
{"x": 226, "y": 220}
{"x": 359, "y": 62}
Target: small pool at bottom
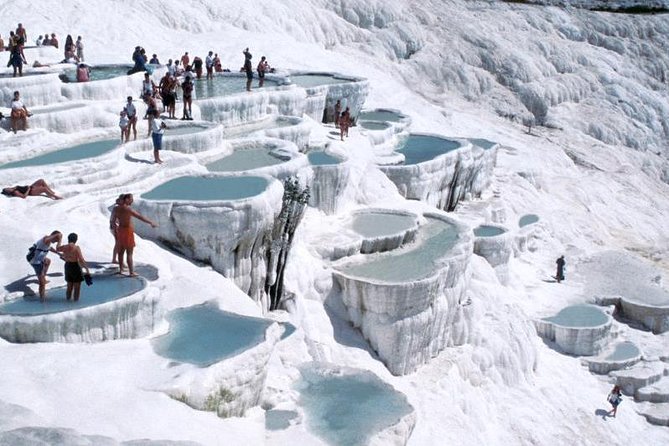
{"x": 204, "y": 335}
{"x": 576, "y": 316}
{"x": 105, "y": 288}
{"x": 202, "y": 188}
{"x": 347, "y": 408}
{"x": 420, "y": 148}
{"x": 488, "y": 231}
{"x": 82, "y": 151}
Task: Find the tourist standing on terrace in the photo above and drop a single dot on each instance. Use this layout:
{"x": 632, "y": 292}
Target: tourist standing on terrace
{"x": 559, "y": 276}
{"x": 37, "y": 258}
{"x": 337, "y": 112}
{"x": 263, "y": 67}
{"x": 185, "y": 60}
{"x": 197, "y": 66}
{"x": 248, "y": 68}
{"x": 209, "y": 64}
{"x": 80, "y": 49}
{"x": 126, "y": 232}
{"x": 157, "y": 129}
{"x": 187, "y": 88}
{"x": 74, "y": 261}
{"x": 131, "y": 112}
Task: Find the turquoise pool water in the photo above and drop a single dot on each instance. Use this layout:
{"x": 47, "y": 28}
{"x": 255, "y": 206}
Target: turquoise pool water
{"x": 245, "y": 159}
{"x": 105, "y": 288}
{"x": 276, "y": 420}
{"x": 184, "y": 130}
{"x": 416, "y": 262}
{"x": 482, "y": 143}
{"x": 373, "y": 125}
{"x": 100, "y": 73}
{"x": 321, "y": 158}
{"x": 488, "y": 231}
{"x": 208, "y": 188}
{"x": 315, "y": 80}
{"x": 378, "y": 224}
{"x": 528, "y": 220}
{"x": 623, "y": 351}
{"x": 420, "y": 148}
{"x": 79, "y": 152}
{"x": 225, "y": 86}
{"x": 347, "y": 409}
{"x": 204, "y": 335}
{"x": 380, "y": 115}
{"x": 579, "y": 316}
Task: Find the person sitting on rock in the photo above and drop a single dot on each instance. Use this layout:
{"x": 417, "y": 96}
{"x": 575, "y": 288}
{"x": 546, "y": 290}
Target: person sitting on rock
{"x": 19, "y": 115}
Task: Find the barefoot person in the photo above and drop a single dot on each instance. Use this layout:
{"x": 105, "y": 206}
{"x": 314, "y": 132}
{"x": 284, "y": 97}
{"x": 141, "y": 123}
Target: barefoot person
{"x": 38, "y": 188}
{"x": 39, "y": 261}
{"x": 126, "y": 232}
{"x": 615, "y": 398}
{"x": 263, "y": 67}
{"x": 74, "y": 261}
{"x": 158, "y": 127}
{"x": 248, "y": 68}
{"x": 19, "y": 114}
{"x": 131, "y": 113}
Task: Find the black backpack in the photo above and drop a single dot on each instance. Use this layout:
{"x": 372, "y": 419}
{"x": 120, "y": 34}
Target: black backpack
{"x": 31, "y": 253}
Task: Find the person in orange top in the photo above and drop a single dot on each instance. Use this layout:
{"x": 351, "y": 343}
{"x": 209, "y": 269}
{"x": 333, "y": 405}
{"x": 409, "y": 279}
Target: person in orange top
{"x": 125, "y": 233}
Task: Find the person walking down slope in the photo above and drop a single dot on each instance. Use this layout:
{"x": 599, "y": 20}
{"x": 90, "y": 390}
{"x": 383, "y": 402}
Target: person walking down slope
{"x": 615, "y": 398}
{"x": 559, "y": 276}
{"x": 74, "y": 261}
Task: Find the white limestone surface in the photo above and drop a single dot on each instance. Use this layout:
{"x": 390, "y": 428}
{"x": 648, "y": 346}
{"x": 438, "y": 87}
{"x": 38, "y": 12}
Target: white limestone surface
{"x": 641, "y": 375}
{"x": 391, "y": 313}
{"x": 230, "y": 235}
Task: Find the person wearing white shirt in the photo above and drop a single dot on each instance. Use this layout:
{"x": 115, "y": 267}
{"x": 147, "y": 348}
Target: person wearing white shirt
{"x": 157, "y": 129}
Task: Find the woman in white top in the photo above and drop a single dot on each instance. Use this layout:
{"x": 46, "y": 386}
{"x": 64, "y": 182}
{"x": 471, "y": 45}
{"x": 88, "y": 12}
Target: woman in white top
{"x": 157, "y": 129}
{"x": 19, "y": 115}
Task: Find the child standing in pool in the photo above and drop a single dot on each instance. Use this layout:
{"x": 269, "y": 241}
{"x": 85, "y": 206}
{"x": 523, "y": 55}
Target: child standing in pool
{"x": 74, "y": 261}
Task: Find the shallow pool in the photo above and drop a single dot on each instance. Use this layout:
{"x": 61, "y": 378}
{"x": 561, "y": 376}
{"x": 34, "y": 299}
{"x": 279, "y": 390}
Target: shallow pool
{"x": 347, "y": 409}
{"x": 379, "y": 223}
{"x": 373, "y": 125}
{"x": 245, "y": 159}
{"x": 99, "y": 73}
{"x": 105, "y": 288}
{"x": 321, "y": 158}
{"x": 420, "y": 148}
{"x": 416, "y": 262}
{"x": 276, "y": 420}
{"x": 579, "y": 316}
{"x": 488, "y": 231}
{"x": 623, "y": 351}
{"x": 184, "y": 129}
{"x": 204, "y": 335}
{"x": 201, "y": 188}
{"x": 528, "y": 220}
{"x": 315, "y": 80}
{"x": 483, "y": 143}
{"x": 79, "y": 152}
{"x": 225, "y": 86}
{"x": 380, "y": 115}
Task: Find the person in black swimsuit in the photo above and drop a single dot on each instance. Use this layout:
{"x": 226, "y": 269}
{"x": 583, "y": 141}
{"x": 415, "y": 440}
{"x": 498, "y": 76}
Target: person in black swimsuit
{"x": 248, "y": 68}
{"x": 38, "y": 188}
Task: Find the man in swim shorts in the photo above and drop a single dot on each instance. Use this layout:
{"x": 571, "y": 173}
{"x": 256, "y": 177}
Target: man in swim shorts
{"x": 74, "y": 261}
{"x": 125, "y": 234}
{"x": 40, "y": 262}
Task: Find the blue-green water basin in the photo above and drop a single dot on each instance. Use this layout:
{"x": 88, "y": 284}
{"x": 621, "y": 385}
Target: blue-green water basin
{"x": 579, "y": 316}
{"x": 380, "y": 115}
{"x": 201, "y": 188}
{"x": 420, "y": 148}
{"x": 373, "y": 125}
{"x": 320, "y": 158}
{"x": 483, "y": 143}
{"x": 105, "y": 288}
{"x": 82, "y": 151}
{"x": 245, "y": 159}
{"x": 416, "y": 262}
{"x": 204, "y": 335}
{"x": 99, "y": 73}
{"x": 528, "y": 220}
{"x": 378, "y": 224}
{"x": 225, "y": 86}
{"x": 488, "y": 231}
{"x": 347, "y": 409}
{"x": 623, "y": 351}
{"x": 315, "y": 80}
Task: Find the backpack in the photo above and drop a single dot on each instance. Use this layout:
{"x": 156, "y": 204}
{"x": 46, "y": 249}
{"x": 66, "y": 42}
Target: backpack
{"x": 31, "y": 253}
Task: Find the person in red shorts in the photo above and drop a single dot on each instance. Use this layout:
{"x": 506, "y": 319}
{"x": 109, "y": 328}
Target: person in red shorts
{"x": 125, "y": 233}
